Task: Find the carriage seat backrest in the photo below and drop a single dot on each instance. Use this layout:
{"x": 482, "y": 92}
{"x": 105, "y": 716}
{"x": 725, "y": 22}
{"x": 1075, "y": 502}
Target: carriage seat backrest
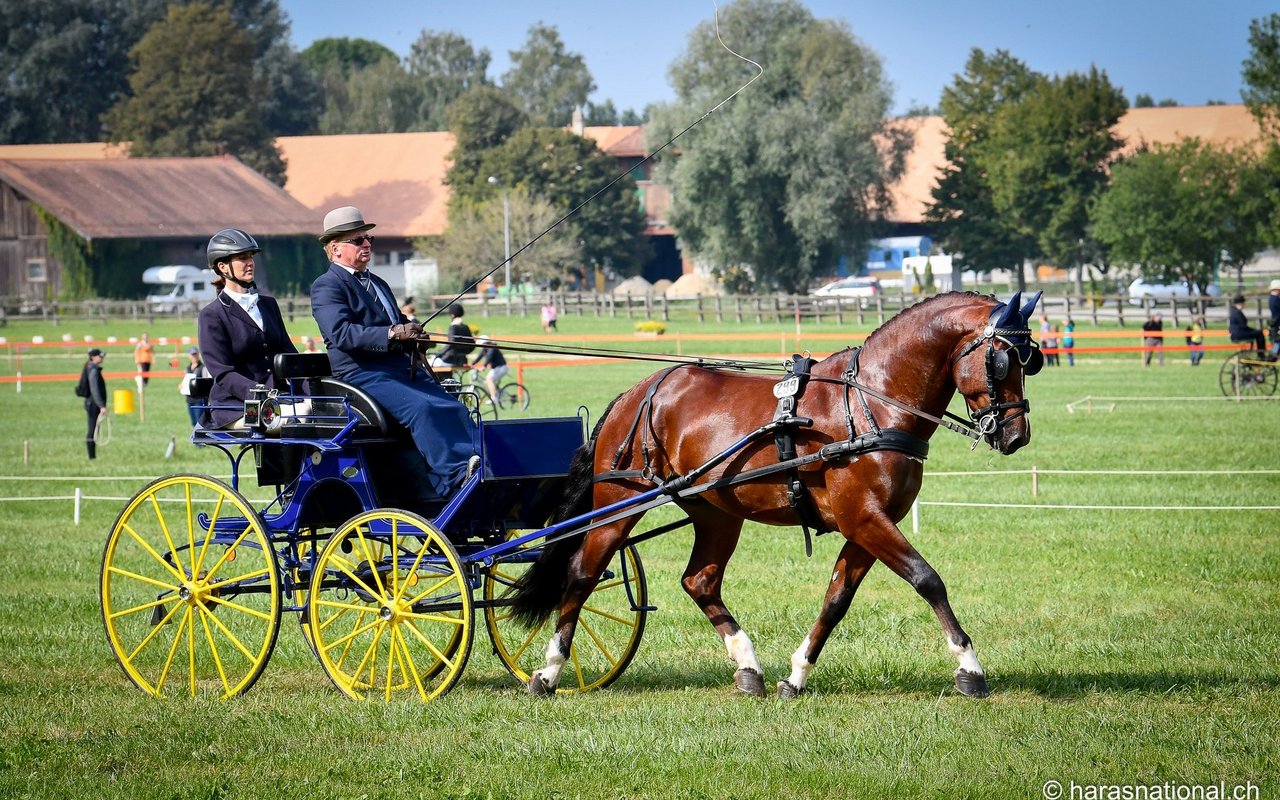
{"x": 300, "y": 365}
{"x": 374, "y": 421}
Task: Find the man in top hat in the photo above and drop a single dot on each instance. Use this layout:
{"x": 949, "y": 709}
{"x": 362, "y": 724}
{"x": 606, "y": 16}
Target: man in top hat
{"x": 1238, "y": 326}
{"x": 369, "y": 341}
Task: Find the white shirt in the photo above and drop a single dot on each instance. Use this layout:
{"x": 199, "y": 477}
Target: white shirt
{"x": 249, "y": 302}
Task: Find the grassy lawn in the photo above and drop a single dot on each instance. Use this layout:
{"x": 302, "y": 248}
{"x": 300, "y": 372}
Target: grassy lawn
{"x": 1122, "y": 646}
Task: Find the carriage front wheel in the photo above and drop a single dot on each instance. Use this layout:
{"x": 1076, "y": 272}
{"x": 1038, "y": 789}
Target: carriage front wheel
{"x": 1244, "y": 374}
{"x": 190, "y": 589}
{"x": 390, "y": 609}
{"x": 609, "y": 627}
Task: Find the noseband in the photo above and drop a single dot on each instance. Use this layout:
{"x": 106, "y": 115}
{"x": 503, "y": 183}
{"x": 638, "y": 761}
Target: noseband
{"x": 989, "y": 419}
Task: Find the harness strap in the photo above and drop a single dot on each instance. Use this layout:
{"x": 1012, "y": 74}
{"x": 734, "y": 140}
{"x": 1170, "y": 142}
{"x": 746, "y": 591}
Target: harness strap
{"x": 645, "y": 405}
{"x": 789, "y": 391}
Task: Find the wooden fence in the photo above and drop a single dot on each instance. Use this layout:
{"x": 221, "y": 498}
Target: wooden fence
{"x": 730, "y": 308}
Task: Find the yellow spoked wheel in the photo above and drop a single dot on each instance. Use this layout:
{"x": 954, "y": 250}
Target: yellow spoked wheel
{"x": 190, "y": 589}
{"x": 390, "y": 612}
{"x": 608, "y": 632}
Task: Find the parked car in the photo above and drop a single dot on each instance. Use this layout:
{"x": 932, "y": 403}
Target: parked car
{"x": 862, "y": 288}
{"x": 1140, "y": 289}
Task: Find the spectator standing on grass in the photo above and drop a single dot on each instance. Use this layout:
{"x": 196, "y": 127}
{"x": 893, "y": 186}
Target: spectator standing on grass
{"x": 549, "y": 317}
{"x": 93, "y": 388}
{"x": 1069, "y": 340}
{"x": 144, "y": 354}
{"x": 1049, "y": 341}
{"x": 195, "y": 369}
{"x": 1195, "y": 339}
{"x": 1153, "y": 343}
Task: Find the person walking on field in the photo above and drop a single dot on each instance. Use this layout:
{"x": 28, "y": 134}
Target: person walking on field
{"x": 1153, "y": 342}
{"x": 143, "y": 356}
{"x": 1195, "y": 339}
{"x": 93, "y": 388}
{"x": 549, "y": 317}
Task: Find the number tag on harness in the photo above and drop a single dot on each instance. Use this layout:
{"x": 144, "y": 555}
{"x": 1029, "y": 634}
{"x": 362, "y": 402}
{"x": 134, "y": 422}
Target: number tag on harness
{"x": 787, "y": 388}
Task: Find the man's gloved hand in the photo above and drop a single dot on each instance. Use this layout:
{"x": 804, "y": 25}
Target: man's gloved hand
{"x": 404, "y": 332}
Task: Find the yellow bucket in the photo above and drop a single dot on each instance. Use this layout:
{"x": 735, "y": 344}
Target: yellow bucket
{"x": 123, "y": 403}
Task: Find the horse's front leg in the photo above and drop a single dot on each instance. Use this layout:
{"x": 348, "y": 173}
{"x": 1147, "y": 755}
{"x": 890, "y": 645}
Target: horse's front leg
{"x": 585, "y": 569}
{"x": 851, "y": 567}
{"x": 882, "y": 539}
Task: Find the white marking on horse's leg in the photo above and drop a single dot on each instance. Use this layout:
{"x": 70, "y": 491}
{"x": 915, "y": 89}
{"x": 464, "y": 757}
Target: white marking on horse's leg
{"x": 741, "y": 651}
{"x": 967, "y": 658}
{"x": 550, "y": 674}
{"x": 800, "y": 666}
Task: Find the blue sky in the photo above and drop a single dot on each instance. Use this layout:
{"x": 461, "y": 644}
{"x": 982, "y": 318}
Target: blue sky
{"x": 1190, "y": 52}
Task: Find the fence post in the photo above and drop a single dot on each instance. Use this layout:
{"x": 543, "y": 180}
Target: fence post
{"x": 77, "y": 509}
{"x": 1035, "y": 481}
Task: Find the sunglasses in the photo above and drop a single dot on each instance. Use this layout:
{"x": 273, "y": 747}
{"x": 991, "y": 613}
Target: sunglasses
{"x": 359, "y": 240}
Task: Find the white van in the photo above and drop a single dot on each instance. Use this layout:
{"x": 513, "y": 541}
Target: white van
{"x": 178, "y": 286}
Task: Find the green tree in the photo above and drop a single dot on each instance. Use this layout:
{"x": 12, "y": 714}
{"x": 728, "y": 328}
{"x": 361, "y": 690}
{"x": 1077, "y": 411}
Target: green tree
{"x": 195, "y": 101}
{"x": 293, "y": 98}
{"x": 63, "y": 64}
{"x": 962, "y": 212}
{"x": 474, "y": 242}
{"x": 380, "y": 98}
{"x": 548, "y": 81}
{"x": 446, "y": 66}
{"x": 344, "y": 55}
{"x": 1182, "y": 211}
{"x": 793, "y": 172}
{"x": 567, "y": 169}
{"x": 1261, "y": 73}
{"x": 1048, "y": 159}
{"x": 480, "y": 120}
{"x": 601, "y": 114}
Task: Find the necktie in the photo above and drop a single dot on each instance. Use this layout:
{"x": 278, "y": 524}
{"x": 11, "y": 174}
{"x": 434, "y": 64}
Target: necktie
{"x": 363, "y": 277}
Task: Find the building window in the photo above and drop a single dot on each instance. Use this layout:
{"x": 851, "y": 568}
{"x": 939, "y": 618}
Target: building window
{"x": 36, "y": 272}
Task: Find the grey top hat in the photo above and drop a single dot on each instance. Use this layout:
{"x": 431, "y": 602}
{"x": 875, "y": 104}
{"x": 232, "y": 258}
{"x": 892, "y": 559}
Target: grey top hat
{"x": 346, "y": 219}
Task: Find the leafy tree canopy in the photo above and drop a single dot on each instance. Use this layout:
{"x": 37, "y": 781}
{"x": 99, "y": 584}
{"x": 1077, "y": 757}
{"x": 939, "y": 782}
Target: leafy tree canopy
{"x": 567, "y": 170}
{"x": 446, "y": 66}
{"x": 380, "y": 98}
{"x": 345, "y": 55}
{"x": 474, "y": 243}
{"x": 480, "y": 120}
{"x": 1261, "y": 73}
{"x": 195, "y": 101}
{"x": 548, "y": 81}
{"x": 1180, "y": 211}
{"x": 793, "y": 172}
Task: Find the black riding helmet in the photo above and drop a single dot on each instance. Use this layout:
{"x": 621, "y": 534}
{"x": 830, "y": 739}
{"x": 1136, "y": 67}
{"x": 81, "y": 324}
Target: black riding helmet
{"x": 230, "y": 242}
{"x": 454, "y": 309}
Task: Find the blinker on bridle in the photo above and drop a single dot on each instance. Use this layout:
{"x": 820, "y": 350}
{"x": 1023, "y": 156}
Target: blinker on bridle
{"x": 1001, "y": 326}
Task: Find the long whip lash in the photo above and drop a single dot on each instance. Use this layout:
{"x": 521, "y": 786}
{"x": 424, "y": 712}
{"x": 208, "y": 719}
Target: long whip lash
{"x": 535, "y": 348}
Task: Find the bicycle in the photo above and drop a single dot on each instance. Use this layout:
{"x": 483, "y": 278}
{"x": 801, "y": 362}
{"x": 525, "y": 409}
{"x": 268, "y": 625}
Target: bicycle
{"x": 511, "y": 395}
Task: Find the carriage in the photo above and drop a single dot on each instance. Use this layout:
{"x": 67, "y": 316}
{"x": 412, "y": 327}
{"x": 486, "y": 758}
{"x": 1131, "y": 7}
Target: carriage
{"x": 1248, "y": 373}
{"x": 388, "y": 581}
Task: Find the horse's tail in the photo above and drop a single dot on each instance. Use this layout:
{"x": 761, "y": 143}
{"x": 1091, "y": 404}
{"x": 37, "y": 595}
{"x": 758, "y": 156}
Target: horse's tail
{"x": 539, "y": 590}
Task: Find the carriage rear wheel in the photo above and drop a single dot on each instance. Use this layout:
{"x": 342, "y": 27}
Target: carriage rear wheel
{"x": 1244, "y": 374}
{"x": 390, "y": 611}
{"x": 609, "y": 627}
{"x": 190, "y": 589}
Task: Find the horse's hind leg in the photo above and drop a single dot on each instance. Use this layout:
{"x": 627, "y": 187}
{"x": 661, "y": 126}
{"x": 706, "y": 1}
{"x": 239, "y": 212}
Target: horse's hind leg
{"x": 715, "y": 537}
{"x": 851, "y": 567}
{"x": 884, "y": 541}
{"x": 585, "y": 569}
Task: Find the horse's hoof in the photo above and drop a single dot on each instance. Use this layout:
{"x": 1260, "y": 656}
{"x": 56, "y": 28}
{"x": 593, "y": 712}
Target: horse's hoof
{"x": 539, "y": 687}
{"x": 971, "y": 684}
{"x": 748, "y": 681}
{"x": 788, "y": 692}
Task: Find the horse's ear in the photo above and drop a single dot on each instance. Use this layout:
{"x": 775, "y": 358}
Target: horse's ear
{"x": 1007, "y": 311}
{"x": 1030, "y": 308}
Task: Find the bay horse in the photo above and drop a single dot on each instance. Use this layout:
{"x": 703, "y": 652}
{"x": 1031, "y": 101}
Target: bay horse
{"x": 859, "y": 466}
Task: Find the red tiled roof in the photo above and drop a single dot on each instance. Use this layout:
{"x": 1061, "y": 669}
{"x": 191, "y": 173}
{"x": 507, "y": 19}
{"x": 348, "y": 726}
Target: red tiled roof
{"x": 156, "y": 198}
{"x": 395, "y": 179}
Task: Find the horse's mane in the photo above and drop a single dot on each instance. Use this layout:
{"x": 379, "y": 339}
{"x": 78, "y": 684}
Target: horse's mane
{"x": 927, "y": 307}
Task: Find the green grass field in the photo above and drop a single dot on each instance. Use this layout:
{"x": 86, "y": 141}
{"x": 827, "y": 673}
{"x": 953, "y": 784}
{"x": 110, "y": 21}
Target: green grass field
{"x": 1123, "y": 647}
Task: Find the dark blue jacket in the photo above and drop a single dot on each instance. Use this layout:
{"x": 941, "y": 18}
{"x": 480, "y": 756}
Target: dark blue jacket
{"x": 237, "y": 353}
{"x": 353, "y": 324}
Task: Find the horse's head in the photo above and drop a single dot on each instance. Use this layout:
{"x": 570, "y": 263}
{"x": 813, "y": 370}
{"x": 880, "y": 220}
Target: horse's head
{"x": 989, "y": 371}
